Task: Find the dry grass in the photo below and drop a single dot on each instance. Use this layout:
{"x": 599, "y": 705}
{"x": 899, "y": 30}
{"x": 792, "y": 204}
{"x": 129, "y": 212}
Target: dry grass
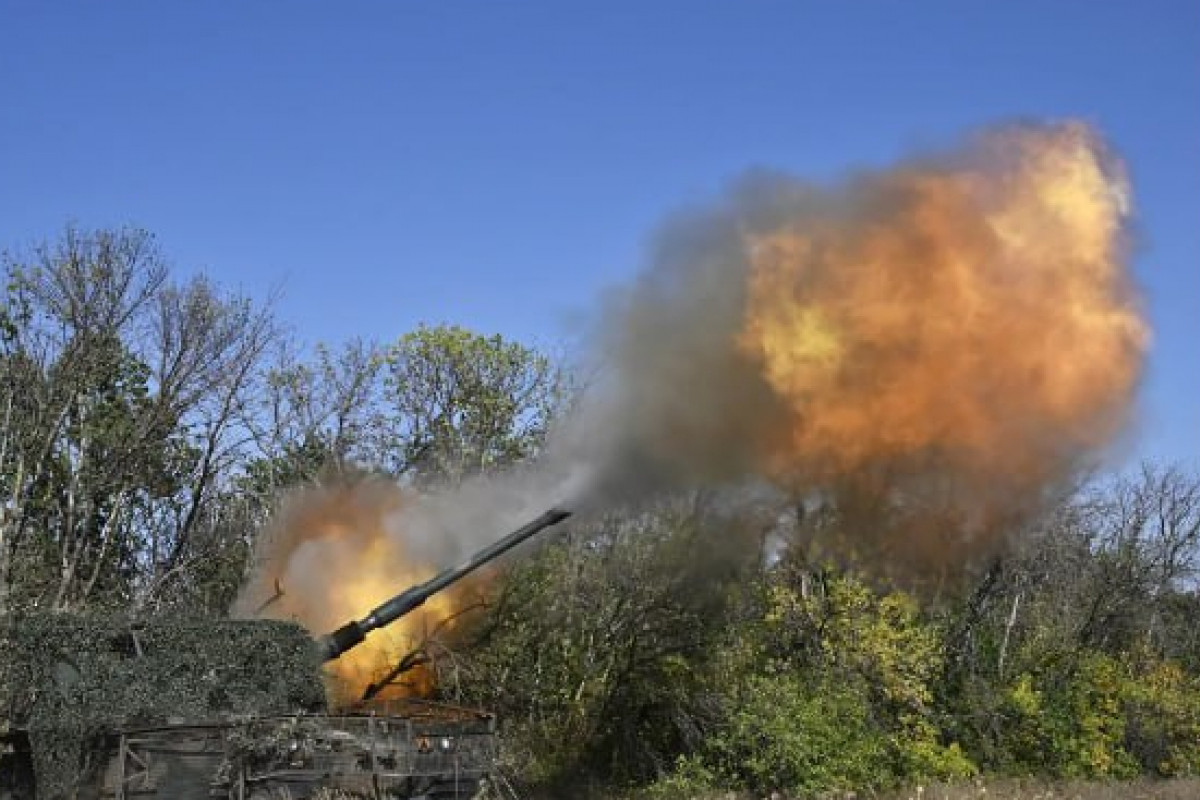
{"x": 1015, "y": 790}
{"x": 977, "y": 790}
{"x": 1059, "y": 790}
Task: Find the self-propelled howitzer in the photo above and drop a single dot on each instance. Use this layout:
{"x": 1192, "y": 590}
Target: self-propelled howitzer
{"x": 228, "y": 730}
{"x": 352, "y": 633}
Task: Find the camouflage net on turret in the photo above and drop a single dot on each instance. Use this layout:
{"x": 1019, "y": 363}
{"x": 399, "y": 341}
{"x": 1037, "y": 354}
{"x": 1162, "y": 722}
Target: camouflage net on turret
{"x": 71, "y": 681}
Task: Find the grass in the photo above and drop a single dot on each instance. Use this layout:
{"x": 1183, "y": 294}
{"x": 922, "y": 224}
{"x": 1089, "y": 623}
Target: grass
{"x": 997, "y": 789}
{"x": 1027, "y": 789}
{"x": 1057, "y": 790}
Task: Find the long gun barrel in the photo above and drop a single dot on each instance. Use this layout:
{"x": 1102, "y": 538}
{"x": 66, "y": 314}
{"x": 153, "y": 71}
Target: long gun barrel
{"x": 350, "y": 634}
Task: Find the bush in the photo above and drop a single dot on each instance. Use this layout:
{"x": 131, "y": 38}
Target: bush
{"x": 1162, "y": 712}
{"x": 801, "y": 736}
{"x": 1070, "y": 722}
{"x": 921, "y": 756}
{"x": 690, "y": 777}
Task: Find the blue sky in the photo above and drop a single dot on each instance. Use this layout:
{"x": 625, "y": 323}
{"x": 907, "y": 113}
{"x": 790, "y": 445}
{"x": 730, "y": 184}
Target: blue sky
{"x": 500, "y": 165}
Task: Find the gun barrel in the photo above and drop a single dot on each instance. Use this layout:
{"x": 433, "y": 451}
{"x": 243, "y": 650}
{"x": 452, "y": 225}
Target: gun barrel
{"x": 352, "y": 633}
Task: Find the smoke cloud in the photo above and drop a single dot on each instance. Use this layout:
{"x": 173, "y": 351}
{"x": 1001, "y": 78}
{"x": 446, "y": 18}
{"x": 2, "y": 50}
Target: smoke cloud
{"x": 970, "y": 314}
{"x": 957, "y": 332}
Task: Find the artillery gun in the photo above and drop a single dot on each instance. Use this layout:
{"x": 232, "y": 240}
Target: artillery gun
{"x": 170, "y": 719}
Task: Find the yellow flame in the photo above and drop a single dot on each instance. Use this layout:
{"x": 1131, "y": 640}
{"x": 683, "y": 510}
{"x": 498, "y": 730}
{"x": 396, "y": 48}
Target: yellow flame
{"x": 971, "y": 308}
{"x": 336, "y": 554}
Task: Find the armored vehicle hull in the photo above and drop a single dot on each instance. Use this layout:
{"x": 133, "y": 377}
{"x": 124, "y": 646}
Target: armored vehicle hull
{"x": 173, "y": 709}
{"x": 404, "y": 749}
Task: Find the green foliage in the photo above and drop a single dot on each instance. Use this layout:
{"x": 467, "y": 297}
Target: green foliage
{"x": 1070, "y": 723}
{"x": 921, "y": 755}
{"x": 119, "y": 393}
{"x": 1098, "y": 716}
{"x": 1162, "y": 711}
{"x": 689, "y": 777}
{"x": 831, "y": 690}
{"x": 597, "y": 652}
{"x": 847, "y": 627}
{"x": 803, "y": 735}
{"x": 464, "y": 403}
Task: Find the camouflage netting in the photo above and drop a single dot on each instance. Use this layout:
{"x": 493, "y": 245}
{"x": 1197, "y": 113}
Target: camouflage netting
{"x": 72, "y": 680}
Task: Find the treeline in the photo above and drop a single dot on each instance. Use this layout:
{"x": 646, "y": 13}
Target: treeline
{"x": 718, "y": 639}
{"x": 683, "y": 650}
{"x": 149, "y": 425}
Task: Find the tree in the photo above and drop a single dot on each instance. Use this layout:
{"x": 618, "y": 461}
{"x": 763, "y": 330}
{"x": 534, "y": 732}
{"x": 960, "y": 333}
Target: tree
{"x": 596, "y": 650}
{"x": 461, "y": 403}
{"x": 317, "y": 416}
{"x": 1101, "y": 585}
{"x": 121, "y": 395}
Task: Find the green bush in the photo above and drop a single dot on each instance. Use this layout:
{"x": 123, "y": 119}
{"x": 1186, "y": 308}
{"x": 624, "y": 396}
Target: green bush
{"x": 690, "y": 777}
{"x": 878, "y": 648}
{"x": 1162, "y": 712}
{"x": 920, "y": 755}
{"x": 801, "y": 736}
{"x": 1071, "y": 722}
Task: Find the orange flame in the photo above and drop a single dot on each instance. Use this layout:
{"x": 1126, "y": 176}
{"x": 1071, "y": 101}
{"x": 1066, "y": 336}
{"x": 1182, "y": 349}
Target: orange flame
{"x": 961, "y": 328}
{"x": 333, "y": 554}
{"x": 979, "y": 311}
{"x": 929, "y": 348}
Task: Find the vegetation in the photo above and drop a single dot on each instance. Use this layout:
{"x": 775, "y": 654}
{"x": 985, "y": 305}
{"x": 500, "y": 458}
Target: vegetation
{"x": 809, "y": 678}
{"x": 696, "y": 646}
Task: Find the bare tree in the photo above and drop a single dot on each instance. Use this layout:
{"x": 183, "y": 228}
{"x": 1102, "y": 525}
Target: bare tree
{"x": 121, "y": 395}
{"x": 1145, "y": 534}
{"x": 208, "y": 350}
{"x": 324, "y": 414}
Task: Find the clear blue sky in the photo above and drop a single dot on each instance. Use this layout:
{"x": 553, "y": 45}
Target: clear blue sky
{"x": 499, "y": 165}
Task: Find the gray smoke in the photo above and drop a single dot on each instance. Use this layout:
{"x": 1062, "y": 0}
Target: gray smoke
{"x": 958, "y": 328}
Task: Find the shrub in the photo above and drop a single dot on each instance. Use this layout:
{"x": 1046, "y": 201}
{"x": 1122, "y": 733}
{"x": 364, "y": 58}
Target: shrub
{"x": 1070, "y": 722}
{"x": 804, "y": 737}
{"x": 1162, "y": 712}
{"x": 690, "y": 777}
